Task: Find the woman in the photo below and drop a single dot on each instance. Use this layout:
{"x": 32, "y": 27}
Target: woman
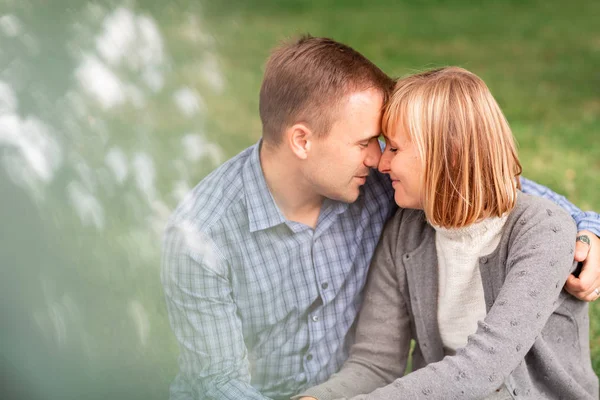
{"x": 476, "y": 277}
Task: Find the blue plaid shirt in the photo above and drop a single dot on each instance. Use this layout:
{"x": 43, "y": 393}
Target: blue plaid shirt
{"x": 264, "y": 307}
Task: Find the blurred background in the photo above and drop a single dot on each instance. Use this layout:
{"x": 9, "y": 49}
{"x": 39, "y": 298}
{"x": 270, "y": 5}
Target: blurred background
{"x": 111, "y": 111}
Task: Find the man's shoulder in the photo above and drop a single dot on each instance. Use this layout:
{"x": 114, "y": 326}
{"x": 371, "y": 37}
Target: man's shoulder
{"x": 219, "y": 194}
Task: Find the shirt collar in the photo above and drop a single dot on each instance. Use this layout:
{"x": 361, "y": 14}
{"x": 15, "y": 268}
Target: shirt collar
{"x": 263, "y": 213}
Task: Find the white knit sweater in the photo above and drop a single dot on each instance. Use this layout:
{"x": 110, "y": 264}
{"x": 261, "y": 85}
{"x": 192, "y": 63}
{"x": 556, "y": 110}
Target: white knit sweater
{"x": 461, "y": 301}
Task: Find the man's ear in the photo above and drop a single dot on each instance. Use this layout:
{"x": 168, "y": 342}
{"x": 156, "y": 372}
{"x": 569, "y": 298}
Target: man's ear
{"x": 300, "y": 139}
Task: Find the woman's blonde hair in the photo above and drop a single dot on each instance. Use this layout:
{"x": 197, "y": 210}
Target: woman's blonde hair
{"x": 470, "y": 164}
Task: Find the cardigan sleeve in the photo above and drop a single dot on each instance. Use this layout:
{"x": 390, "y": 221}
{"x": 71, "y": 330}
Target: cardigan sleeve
{"x": 540, "y": 257}
{"x": 383, "y": 333}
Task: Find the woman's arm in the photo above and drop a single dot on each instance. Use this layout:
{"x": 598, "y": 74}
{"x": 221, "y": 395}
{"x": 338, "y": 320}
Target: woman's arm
{"x": 383, "y": 333}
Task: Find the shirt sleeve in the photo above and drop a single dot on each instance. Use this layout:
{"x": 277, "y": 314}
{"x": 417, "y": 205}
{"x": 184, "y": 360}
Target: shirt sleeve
{"x": 540, "y": 259}
{"x": 584, "y": 219}
{"x": 213, "y": 361}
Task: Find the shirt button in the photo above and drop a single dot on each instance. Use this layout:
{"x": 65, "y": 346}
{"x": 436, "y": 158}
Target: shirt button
{"x": 309, "y": 357}
{"x": 315, "y": 318}
{"x": 324, "y": 285}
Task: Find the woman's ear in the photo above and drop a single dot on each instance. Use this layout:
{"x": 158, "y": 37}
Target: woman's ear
{"x": 300, "y": 139}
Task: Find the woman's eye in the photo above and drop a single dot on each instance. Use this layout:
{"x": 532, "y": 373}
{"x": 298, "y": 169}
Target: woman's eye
{"x": 364, "y": 145}
{"x": 392, "y": 149}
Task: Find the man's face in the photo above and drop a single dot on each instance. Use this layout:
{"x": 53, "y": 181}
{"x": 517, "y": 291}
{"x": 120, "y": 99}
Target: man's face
{"x": 341, "y": 161}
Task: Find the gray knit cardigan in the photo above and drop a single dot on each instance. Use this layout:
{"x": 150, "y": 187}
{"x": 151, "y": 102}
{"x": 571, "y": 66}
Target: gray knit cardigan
{"x": 534, "y": 339}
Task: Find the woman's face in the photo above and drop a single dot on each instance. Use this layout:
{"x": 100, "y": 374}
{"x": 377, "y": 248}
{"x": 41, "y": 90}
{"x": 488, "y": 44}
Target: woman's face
{"x": 401, "y": 161}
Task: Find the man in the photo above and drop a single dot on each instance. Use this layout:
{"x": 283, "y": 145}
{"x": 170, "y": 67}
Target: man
{"x": 264, "y": 261}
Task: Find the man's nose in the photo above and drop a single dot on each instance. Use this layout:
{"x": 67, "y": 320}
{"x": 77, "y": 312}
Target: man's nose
{"x": 374, "y": 154}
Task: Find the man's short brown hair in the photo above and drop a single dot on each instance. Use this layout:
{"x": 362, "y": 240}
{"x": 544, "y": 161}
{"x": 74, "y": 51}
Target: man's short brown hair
{"x": 305, "y": 81}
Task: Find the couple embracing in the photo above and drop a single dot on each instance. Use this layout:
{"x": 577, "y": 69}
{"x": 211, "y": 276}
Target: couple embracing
{"x": 435, "y": 238}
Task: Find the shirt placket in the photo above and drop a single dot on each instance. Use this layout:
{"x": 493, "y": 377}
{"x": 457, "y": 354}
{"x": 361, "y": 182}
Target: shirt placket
{"x": 314, "y": 359}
